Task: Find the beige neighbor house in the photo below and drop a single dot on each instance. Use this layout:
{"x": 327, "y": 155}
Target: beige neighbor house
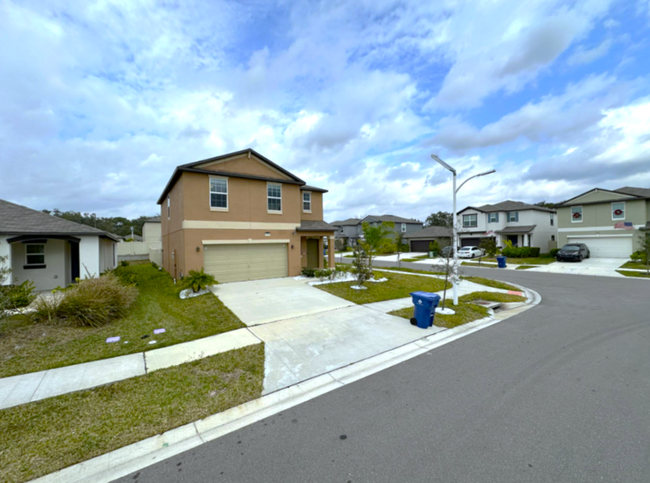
{"x": 242, "y": 217}
{"x": 609, "y": 222}
{"x": 50, "y": 251}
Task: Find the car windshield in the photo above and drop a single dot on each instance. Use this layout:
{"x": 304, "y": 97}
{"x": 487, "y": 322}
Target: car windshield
{"x": 465, "y": 249}
{"x": 571, "y": 248}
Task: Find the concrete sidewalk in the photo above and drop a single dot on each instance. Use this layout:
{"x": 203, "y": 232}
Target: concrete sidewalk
{"x": 34, "y": 386}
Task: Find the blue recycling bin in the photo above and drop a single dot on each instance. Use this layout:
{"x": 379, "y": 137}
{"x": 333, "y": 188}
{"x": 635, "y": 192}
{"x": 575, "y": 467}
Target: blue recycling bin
{"x": 424, "y": 306}
{"x": 501, "y": 261}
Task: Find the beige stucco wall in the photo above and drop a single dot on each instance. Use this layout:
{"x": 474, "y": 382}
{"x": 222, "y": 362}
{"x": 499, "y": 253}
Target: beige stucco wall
{"x": 316, "y": 207}
{"x": 598, "y": 196}
{"x": 48, "y": 278}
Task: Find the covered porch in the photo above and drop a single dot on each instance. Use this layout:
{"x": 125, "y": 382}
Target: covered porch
{"x": 520, "y": 236}
{"x": 315, "y": 238}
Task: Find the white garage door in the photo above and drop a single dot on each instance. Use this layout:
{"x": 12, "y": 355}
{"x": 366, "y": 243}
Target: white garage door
{"x": 606, "y": 246}
{"x": 236, "y": 263}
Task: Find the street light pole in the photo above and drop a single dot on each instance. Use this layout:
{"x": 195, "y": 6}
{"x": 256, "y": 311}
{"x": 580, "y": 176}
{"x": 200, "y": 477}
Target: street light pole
{"x": 455, "y": 278}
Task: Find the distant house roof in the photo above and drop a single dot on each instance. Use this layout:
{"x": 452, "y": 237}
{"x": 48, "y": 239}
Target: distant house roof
{"x": 393, "y": 218}
{"x": 348, "y": 222}
{"x": 155, "y": 219}
{"x": 516, "y": 229}
{"x": 508, "y": 205}
{"x": 20, "y": 220}
{"x": 430, "y": 232}
{"x": 629, "y": 190}
{"x": 633, "y": 193}
{"x": 315, "y": 225}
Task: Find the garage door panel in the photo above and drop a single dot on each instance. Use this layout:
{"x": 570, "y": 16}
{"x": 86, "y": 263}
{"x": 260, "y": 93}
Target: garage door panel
{"x": 235, "y": 263}
{"x": 606, "y": 246}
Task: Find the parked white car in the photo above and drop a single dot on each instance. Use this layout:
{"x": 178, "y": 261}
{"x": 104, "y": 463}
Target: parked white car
{"x": 470, "y": 252}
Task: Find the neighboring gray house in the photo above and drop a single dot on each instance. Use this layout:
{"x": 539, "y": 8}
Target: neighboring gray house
{"x": 419, "y": 240}
{"x": 523, "y": 224}
{"x": 350, "y": 230}
{"x": 49, "y": 250}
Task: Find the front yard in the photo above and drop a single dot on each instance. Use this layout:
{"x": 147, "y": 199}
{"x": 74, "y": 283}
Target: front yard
{"x": 541, "y": 260}
{"x": 29, "y": 347}
{"x": 630, "y": 273}
{"x": 638, "y": 265}
{"x": 396, "y": 287}
{"x": 46, "y": 436}
{"x": 465, "y": 310}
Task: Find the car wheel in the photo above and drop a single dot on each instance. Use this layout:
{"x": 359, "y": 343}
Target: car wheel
{"x": 580, "y": 258}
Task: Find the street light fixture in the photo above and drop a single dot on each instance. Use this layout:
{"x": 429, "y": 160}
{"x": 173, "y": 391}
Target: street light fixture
{"x": 455, "y": 229}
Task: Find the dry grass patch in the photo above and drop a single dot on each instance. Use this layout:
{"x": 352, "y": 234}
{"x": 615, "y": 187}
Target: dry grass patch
{"x": 45, "y": 436}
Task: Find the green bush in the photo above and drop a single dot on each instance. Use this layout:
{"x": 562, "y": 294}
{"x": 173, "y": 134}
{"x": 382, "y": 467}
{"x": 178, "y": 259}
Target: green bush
{"x": 198, "y": 280}
{"x": 638, "y": 256}
{"x": 92, "y": 302}
{"x": 520, "y": 252}
{"x": 309, "y": 272}
{"x": 124, "y": 263}
{"x": 554, "y": 251}
{"x": 16, "y": 296}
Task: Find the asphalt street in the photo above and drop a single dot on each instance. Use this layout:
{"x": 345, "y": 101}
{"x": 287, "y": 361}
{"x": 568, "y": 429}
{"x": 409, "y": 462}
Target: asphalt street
{"x": 560, "y": 393}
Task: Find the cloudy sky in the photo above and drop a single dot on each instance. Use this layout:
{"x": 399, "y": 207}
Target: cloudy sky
{"x": 99, "y": 101}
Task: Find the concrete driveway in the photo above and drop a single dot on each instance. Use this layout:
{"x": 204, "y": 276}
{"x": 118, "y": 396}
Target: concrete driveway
{"x": 591, "y": 266}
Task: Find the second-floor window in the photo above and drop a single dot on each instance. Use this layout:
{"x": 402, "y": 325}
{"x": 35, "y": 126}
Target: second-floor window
{"x": 552, "y": 221}
{"x": 403, "y": 227}
{"x": 274, "y": 197}
{"x": 169, "y": 208}
{"x": 469, "y": 221}
{"x": 493, "y": 217}
{"x": 618, "y": 211}
{"x": 576, "y": 214}
{"x": 219, "y": 193}
{"x": 513, "y": 216}
{"x": 306, "y": 201}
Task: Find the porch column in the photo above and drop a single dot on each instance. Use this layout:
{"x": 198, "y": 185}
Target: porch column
{"x": 321, "y": 249}
{"x": 331, "y": 261}
{"x": 526, "y": 242}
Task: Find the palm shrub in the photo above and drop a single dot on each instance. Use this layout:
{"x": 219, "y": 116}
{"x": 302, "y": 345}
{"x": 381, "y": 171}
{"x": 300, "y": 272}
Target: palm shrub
{"x": 92, "y": 302}
{"x": 16, "y": 296}
{"x": 198, "y": 280}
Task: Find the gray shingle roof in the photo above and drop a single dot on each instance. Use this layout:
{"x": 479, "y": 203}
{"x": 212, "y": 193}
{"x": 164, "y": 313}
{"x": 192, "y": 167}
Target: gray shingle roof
{"x": 393, "y": 218}
{"x": 315, "y": 225}
{"x": 430, "y": 232}
{"x": 629, "y": 190}
{"x": 508, "y": 205}
{"x": 517, "y": 229}
{"x": 348, "y": 222}
{"x": 20, "y": 220}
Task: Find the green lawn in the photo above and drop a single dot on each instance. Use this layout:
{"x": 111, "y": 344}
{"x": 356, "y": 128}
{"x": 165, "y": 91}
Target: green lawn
{"x": 525, "y": 267}
{"x": 411, "y": 270}
{"x": 28, "y": 347}
{"x": 398, "y": 286}
{"x": 414, "y": 259}
{"x": 45, "y": 436}
{"x": 639, "y": 265}
{"x": 492, "y": 283}
{"x": 465, "y": 310}
{"x": 541, "y": 260}
{"x": 629, "y": 273}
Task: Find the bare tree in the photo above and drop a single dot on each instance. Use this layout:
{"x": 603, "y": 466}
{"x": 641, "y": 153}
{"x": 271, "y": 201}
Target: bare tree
{"x": 445, "y": 265}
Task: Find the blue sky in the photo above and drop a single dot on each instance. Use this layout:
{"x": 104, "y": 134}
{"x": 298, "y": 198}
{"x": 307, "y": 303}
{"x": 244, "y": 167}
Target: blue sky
{"x": 101, "y": 100}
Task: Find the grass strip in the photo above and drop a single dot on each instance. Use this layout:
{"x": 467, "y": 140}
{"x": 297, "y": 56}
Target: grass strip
{"x": 638, "y": 265}
{"x": 629, "y": 273}
{"x": 396, "y": 287}
{"x": 45, "y": 436}
{"x": 525, "y": 267}
{"x": 29, "y": 347}
{"x": 491, "y": 283}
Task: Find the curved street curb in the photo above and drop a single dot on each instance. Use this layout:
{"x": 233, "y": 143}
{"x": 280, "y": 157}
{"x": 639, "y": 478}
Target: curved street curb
{"x": 124, "y": 461}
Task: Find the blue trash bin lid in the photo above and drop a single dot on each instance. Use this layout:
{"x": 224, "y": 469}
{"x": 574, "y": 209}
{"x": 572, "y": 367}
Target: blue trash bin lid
{"x": 428, "y": 296}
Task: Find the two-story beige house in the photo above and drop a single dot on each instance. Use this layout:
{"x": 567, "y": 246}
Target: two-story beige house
{"x": 242, "y": 217}
{"x": 609, "y": 222}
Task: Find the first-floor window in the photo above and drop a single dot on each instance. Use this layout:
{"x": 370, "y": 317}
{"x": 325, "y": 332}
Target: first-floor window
{"x": 469, "y": 221}
{"x": 35, "y": 254}
{"x": 306, "y": 201}
{"x": 274, "y": 197}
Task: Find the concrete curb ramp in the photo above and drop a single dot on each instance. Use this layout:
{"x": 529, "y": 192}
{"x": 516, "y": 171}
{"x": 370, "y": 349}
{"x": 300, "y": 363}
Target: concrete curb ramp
{"x": 122, "y": 462}
{"x": 26, "y": 388}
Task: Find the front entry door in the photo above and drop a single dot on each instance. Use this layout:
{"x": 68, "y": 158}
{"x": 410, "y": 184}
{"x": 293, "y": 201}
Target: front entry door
{"x": 513, "y": 239}
{"x": 74, "y": 261}
{"x": 312, "y": 253}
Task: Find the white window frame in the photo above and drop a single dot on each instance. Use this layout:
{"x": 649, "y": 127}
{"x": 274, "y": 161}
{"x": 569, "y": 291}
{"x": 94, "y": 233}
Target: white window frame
{"x": 612, "y": 210}
{"x": 169, "y": 208}
{"x": 27, "y": 255}
{"x": 496, "y": 217}
{"x": 403, "y": 227}
{"x": 305, "y": 201}
{"x": 582, "y": 215}
{"x": 516, "y": 220}
{"x": 273, "y": 212}
{"x": 468, "y": 225}
{"x": 218, "y": 208}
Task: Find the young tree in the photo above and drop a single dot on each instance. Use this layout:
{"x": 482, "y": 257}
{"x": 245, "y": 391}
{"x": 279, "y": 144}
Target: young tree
{"x": 399, "y": 241}
{"x": 374, "y": 238}
{"x": 442, "y": 218}
{"x": 644, "y": 241}
{"x": 445, "y": 265}
{"x": 361, "y": 266}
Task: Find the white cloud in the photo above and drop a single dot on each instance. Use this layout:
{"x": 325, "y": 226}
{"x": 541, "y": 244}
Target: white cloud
{"x": 581, "y": 55}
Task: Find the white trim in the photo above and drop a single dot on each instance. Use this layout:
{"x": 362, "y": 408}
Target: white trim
{"x": 303, "y": 201}
{"x": 593, "y": 228}
{"x": 216, "y": 208}
{"x": 248, "y": 241}
{"x": 273, "y": 212}
{"x": 582, "y": 214}
{"x": 598, "y": 236}
{"x": 611, "y": 210}
{"x": 235, "y": 225}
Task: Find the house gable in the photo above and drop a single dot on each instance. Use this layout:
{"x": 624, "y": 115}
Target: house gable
{"x": 596, "y": 195}
{"x": 245, "y": 164}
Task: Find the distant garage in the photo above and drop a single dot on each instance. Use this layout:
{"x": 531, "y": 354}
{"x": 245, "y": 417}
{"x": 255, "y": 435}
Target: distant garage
{"x": 418, "y": 241}
{"x": 241, "y": 262}
{"x": 470, "y": 242}
{"x": 617, "y": 246}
